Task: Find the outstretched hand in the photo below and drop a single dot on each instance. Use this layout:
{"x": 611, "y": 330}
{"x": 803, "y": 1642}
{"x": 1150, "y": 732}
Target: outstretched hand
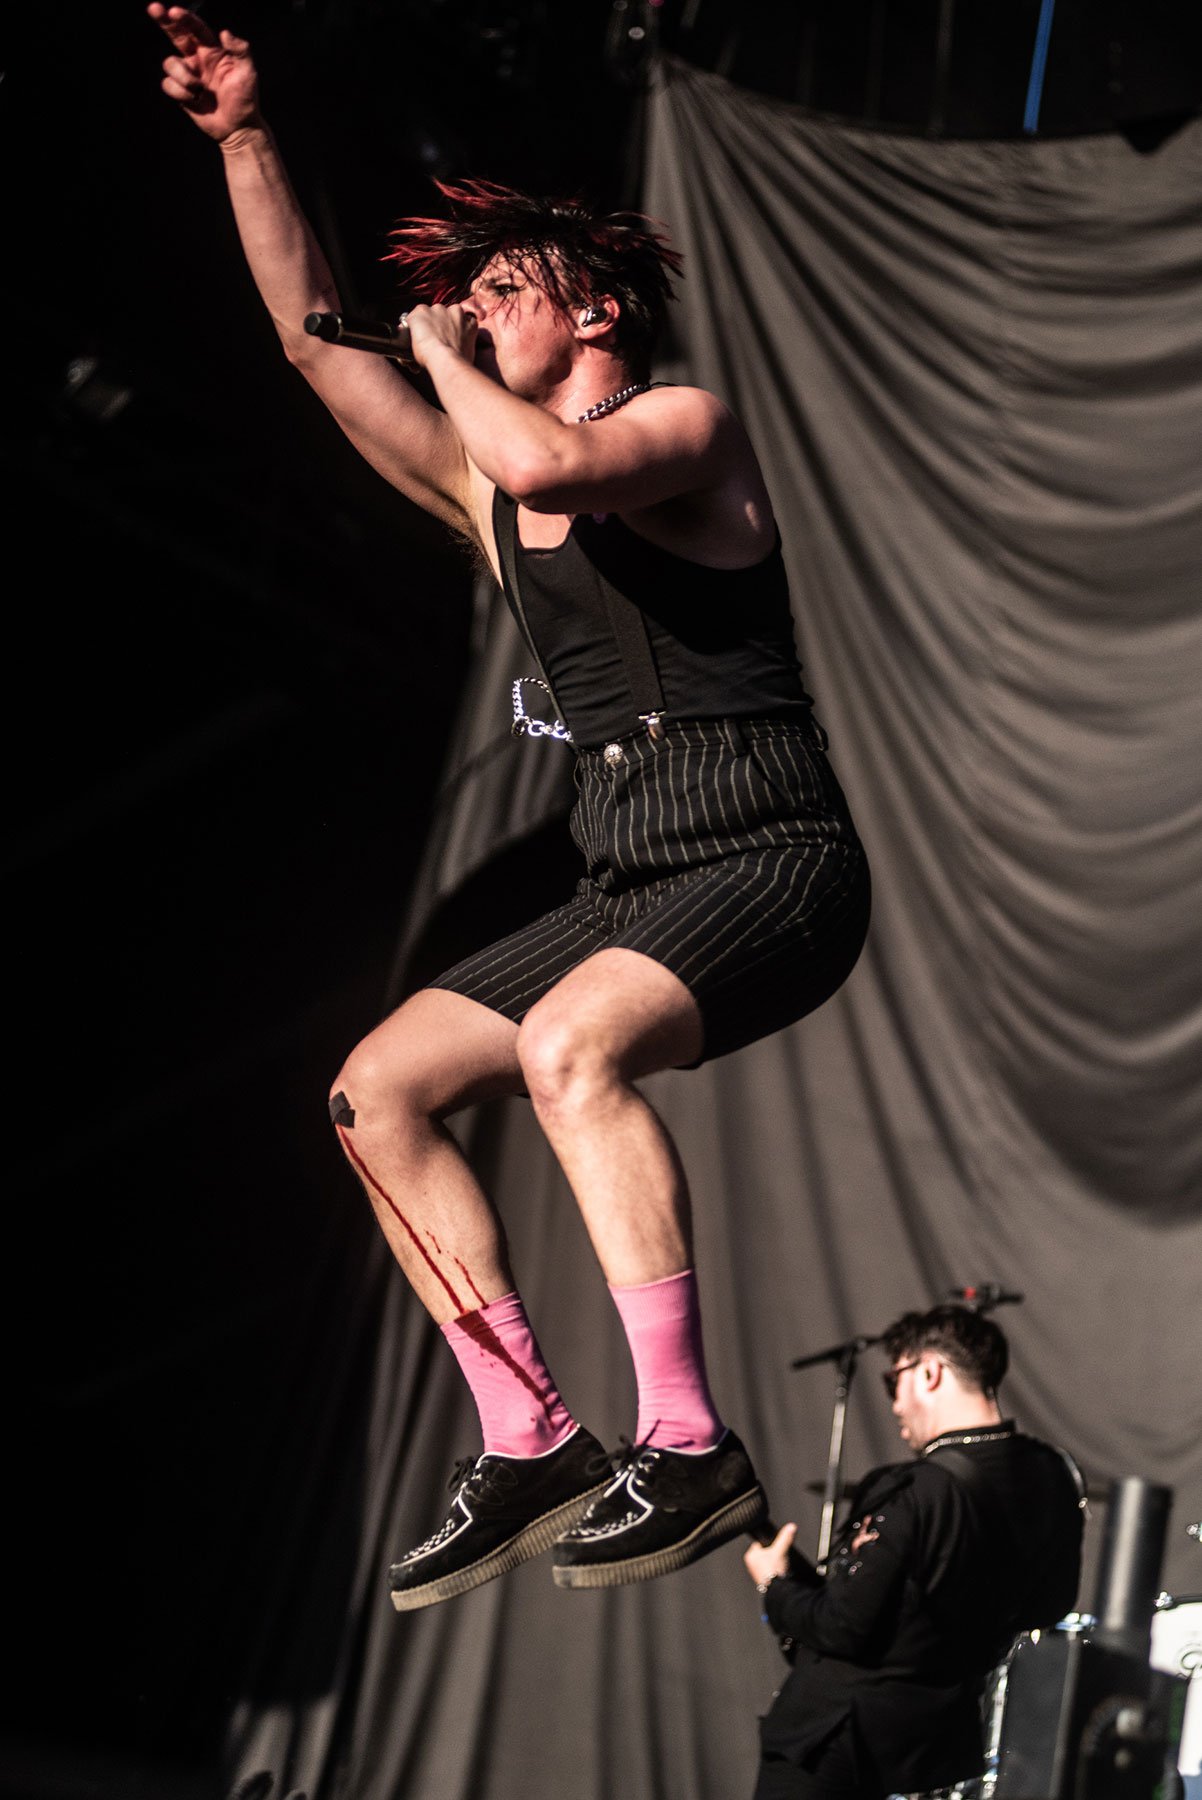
{"x": 211, "y": 76}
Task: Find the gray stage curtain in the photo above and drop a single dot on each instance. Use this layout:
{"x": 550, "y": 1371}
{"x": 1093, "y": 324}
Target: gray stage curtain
{"x": 973, "y": 373}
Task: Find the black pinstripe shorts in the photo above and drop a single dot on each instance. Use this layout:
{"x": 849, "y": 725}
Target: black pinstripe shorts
{"x": 725, "y": 852}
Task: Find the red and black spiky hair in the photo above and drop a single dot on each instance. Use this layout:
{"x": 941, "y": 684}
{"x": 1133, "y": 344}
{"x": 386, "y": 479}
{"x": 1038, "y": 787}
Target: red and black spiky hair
{"x": 566, "y": 247}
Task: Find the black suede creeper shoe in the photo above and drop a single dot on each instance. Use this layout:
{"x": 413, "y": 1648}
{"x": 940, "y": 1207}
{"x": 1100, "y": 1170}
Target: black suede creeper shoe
{"x": 506, "y": 1509}
{"x": 662, "y": 1510}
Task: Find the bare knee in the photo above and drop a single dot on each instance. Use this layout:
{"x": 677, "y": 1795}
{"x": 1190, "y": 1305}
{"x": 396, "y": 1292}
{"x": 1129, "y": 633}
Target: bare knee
{"x": 435, "y": 1055}
{"x": 567, "y": 1067}
{"x": 374, "y": 1090}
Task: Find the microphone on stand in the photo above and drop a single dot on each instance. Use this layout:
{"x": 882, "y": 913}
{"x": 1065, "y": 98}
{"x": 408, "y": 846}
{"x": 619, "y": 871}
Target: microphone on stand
{"x": 982, "y": 1296}
{"x": 363, "y": 334}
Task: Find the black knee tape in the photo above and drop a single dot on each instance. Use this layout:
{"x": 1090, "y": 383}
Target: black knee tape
{"x": 341, "y": 1111}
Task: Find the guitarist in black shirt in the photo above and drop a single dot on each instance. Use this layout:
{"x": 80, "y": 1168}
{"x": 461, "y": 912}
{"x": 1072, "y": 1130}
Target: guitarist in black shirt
{"x": 941, "y": 1563}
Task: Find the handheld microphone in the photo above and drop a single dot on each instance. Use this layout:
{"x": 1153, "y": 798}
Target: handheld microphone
{"x": 984, "y": 1294}
{"x": 363, "y": 334}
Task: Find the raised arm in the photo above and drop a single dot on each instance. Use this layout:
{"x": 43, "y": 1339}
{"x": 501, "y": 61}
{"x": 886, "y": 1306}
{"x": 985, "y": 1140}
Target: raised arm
{"x": 676, "y": 448}
{"x": 413, "y": 445}
{"x": 679, "y": 440}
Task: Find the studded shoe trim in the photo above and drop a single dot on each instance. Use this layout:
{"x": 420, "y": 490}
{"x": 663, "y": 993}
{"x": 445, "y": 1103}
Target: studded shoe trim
{"x": 660, "y": 1510}
{"x": 531, "y": 1541}
{"x": 734, "y": 1518}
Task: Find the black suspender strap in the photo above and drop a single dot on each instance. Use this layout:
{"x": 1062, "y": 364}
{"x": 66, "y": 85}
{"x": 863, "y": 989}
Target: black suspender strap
{"x": 638, "y": 660}
{"x": 505, "y": 530}
{"x": 625, "y": 619}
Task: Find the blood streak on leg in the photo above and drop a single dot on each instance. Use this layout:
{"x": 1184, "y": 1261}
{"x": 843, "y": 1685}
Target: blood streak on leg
{"x": 483, "y": 1335}
{"x": 478, "y": 1329}
{"x": 367, "y": 1175}
{"x": 461, "y": 1266}
{"x": 463, "y": 1271}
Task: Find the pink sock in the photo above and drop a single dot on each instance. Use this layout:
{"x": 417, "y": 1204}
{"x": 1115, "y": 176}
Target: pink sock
{"x": 521, "y": 1413}
{"x": 662, "y": 1320}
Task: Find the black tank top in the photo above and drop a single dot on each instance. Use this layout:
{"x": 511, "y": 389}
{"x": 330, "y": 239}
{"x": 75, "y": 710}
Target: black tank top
{"x": 722, "y": 639}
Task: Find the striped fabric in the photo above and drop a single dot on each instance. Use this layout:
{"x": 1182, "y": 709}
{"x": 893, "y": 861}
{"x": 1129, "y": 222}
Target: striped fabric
{"x": 724, "y": 851}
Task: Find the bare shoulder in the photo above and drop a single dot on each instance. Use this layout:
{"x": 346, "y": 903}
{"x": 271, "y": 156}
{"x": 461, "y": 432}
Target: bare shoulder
{"x": 696, "y": 423}
{"x": 719, "y": 513}
{"x": 695, "y": 407}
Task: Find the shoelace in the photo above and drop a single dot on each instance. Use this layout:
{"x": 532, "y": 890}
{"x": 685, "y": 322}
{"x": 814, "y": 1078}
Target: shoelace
{"x": 627, "y": 1452}
{"x": 479, "y": 1475}
{"x": 467, "y": 1476}
{"x": 611, "y": 1462}
{"x": 650, "y": 1469}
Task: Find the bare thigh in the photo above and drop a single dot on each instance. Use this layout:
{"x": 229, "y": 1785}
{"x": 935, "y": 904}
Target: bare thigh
{"x": 620, "y": 1008}
{"x": 437, "y": 1053}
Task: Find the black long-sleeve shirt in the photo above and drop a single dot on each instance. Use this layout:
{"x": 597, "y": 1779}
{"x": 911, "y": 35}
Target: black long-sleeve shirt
{"x": 976, "y": 1540}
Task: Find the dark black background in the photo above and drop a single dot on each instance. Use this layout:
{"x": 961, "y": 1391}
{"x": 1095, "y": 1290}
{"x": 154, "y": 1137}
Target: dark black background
{"x": 233, "y": 660}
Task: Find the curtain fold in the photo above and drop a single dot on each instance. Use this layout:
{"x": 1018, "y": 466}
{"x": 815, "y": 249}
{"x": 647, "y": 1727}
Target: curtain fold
{"x": 973, "y": 373}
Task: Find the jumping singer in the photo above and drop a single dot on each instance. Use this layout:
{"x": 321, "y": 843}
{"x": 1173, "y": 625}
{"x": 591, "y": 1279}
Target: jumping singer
{"x": 724, "y": 892}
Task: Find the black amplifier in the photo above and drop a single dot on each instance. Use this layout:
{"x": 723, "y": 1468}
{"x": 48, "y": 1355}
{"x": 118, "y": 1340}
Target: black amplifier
{"x": 1084, "y": 1721}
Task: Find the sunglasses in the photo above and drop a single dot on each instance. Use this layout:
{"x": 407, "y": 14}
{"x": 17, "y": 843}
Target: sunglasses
{"x": 890, "y": 1377}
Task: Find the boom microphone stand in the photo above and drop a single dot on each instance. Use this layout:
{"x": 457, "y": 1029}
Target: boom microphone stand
{"x": 846, "y": 1358}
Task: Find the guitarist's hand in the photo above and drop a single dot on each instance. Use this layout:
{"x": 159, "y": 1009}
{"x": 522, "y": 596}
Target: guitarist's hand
{"x": 764, "y": 1562}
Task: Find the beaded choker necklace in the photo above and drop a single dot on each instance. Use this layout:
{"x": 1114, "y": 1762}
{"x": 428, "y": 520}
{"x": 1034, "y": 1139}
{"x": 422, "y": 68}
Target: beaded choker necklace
{"x": 612, "y": 402}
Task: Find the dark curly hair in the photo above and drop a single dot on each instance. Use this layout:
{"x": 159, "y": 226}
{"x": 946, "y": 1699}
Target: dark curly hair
{"x": 972, "y": 1344}
{"x": 567, "y": 248}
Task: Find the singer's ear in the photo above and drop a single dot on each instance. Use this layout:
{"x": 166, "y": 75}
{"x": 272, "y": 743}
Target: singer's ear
{"x": 600, "y": 312}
